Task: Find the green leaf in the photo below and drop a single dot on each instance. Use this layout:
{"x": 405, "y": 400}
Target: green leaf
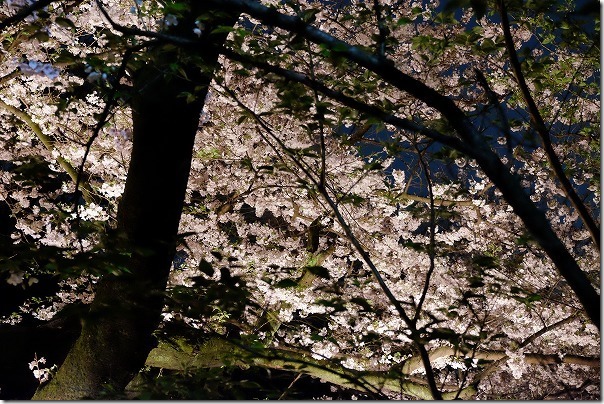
{"x": 177, "y": 8}
{"x": 223, "y": 29}
{"x": 309, "y": 16}
{"x": 445, "y": 17}
{"x": 248, "y": 384}
{"x": 485, "y": 261}
{"x": 65, "y": 23}
{"x": 354, "y": 199}
{"x": 376, "y": 165}
{"x": 286, "y": 283}
{"x": 335, "y": 303}
{"x": 206, "y": 267}
{"x": 476, "y": 281}
{"x": 267, "y": 168}
{"x": 320, "y": 271}
{"x": 516, "y": 290}
{"x": 66, "y": 58}
{"x": 444, "y": 333}
{"x": 361, "y": 301}
{"x": 339, "y": 47}
{"x": 412, "y": 244}
{"x": 41, "y": 36}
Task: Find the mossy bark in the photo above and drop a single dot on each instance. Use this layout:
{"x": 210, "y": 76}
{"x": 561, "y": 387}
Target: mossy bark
{"x": 181, "y": 355}
{"x": 117, "y": 332}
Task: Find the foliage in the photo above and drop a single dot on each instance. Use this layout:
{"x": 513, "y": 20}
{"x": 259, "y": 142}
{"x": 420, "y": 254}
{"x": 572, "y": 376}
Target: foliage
{"x": 337, "y": 219}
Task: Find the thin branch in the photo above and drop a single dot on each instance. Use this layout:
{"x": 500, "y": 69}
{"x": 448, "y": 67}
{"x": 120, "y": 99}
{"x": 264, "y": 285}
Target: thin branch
{"x": 287, "y": 390}
{"x": 507, "y": 182}
{"x": 414, "y": 333}
{"x": 9, "y": 76}
{"x": 358, "y": 134}
{"x": 105, "y": 114}
{"x": 492, "y": 97}
{"x": 432, "y": 245}
{"x": 24, "y": 12}
{"x": 320, "y": 117}
{"x": 571, "y": 83}
{"x": 382, "y": 29}
{"x": 539, "y": 124}
{"x": 498, "y": 360}
{"x": 149, "y": 34}
{"x": 380, "y": 65}
{"x": 87, "y": 191}
{"x": 437, "y": 202}
{"x": 400, "y": 123}
{"x": 566, "y": 392}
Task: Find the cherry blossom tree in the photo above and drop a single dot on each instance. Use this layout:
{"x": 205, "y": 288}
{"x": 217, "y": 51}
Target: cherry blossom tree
{"x": 399, "y": 199}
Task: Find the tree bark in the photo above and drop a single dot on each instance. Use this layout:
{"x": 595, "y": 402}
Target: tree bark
{"x": 216, "y": 352}
{"x": 117, "y": 332}
{"x": 182, "y": 355}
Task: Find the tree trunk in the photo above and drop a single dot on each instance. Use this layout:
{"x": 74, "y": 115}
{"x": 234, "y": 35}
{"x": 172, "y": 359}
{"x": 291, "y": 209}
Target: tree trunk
{"x": 117, "y": 332}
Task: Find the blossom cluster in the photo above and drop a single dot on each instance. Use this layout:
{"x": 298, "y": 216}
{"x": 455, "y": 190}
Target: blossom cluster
{"x": 253, "y": 205}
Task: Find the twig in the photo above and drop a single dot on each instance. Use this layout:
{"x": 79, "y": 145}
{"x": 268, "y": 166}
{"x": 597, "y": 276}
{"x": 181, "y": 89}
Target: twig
{"x": 24, "y": 12}
{"x": 103, "y": 117}
{"x": 401, "y": 123}
{"x": 492, "y": 97}
{"x": 149, "y": 34}
{"x": 414, "y": 333}
{"x": 320, "y": 116}
{"x": 284, "y": 394}
{"x": 500, "y": 357}
{"x": 432, "y": 246}
{"x": 473, "y": 144}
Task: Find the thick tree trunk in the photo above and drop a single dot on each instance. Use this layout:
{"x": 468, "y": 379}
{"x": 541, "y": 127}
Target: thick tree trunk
{"x": 117, "y": 333}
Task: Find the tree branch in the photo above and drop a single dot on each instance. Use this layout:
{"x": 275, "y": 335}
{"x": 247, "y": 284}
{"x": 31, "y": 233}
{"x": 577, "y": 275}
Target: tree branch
{"x": 530, "y": 358}
{"x": 476, "y": 147}
{"x": 24, "y": 12}
{"x": 175, "y": 39}
{"x": 401, "y": 123}
{"x": 86, "y": 189}
{"x": 414, "y": 333}
{"x": 539, "y": 124}
{"x": 492, "y": 97}
{"x": 432, "y": 245}
{"x": 382, "y": 29}
{"x": 493, "y": 366}
{"x": 182, "y": 355}
{"x": 216, "y": 352}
